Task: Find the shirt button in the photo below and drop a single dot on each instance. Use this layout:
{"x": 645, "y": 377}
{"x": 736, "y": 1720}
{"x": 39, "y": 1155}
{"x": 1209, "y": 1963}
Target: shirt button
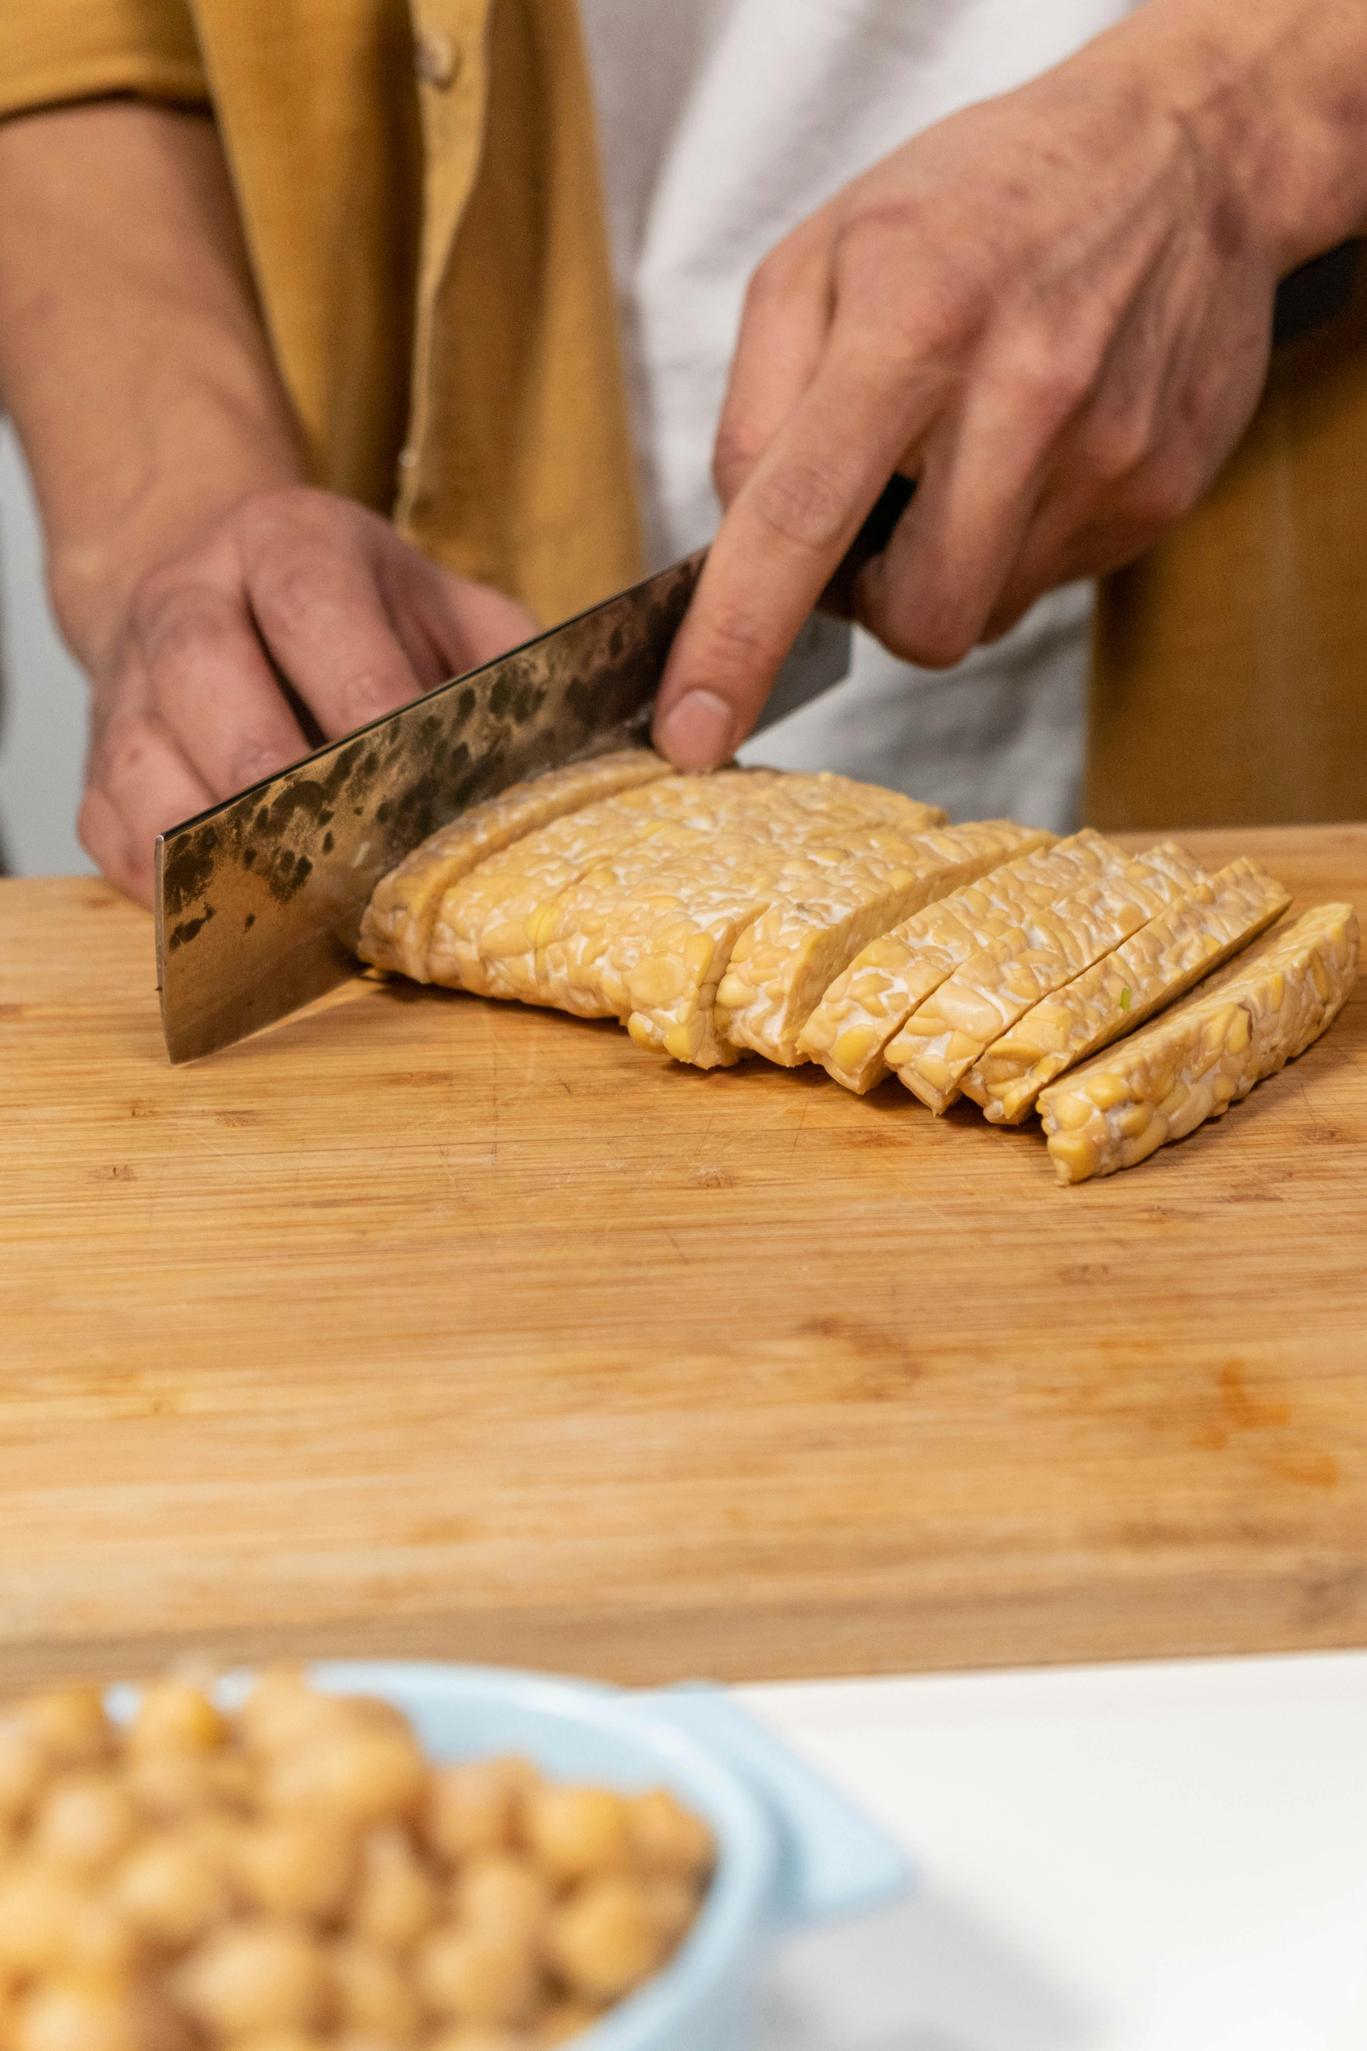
{"x": 408, "y": 457}
{"x": 436, "y": 57}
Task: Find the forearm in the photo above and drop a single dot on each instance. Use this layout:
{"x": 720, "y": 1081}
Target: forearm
{"x": 132, "y": 355}
{"x": 1275, "y": 94}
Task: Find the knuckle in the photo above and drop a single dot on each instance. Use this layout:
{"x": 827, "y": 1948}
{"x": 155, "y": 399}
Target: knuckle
{"x": 929, "y": 637}
{"x": 369, "y": 695}
{"x": 254, "y": 759}
{"x": 271, "y": 507}
{"x": 737, "y": 449}
{"x": 123, "y": 749}
{"x": 802, "y": 503}
{"x": 1162, "y": 493}
{"x": 295, "y": 582}
{"x": 186, "y": 631}
{"x": 1051, "y": 379}
{"x": 1113, "y": 450}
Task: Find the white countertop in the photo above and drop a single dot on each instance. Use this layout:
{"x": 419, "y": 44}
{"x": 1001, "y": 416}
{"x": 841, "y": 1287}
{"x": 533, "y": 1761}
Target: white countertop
{"x": 1166, "y": 1857}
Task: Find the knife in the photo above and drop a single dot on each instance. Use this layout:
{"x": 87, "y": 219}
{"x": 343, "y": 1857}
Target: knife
{"x": 259, "y": 900}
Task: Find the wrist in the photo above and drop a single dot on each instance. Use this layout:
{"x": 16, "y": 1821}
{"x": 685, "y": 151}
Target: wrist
{"x": 94, "y": 571}
{"x": 1271, "y": 97}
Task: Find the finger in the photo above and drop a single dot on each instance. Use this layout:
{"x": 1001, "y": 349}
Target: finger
{"x": 213, "y": 689}
{"x": 784, "y": 328}
{"x": 315, "y": 598}
{"x": 139, "y": 785}
{"x": 929, "y": 594}
{"x": 448, "y": 623}
{"x": 778, "y": 546}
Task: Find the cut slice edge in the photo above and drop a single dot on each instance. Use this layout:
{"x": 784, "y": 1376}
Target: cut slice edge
{"x": 1153, "y": 968}
{"x": 1196, "y": 1060}
{"x": 850, "y": 1030}
{"x": 786, "y": 961}
{"x": 951, "y": 1029}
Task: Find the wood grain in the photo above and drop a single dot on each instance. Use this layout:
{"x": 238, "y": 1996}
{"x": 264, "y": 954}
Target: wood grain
{"x": 426, "y": 1325}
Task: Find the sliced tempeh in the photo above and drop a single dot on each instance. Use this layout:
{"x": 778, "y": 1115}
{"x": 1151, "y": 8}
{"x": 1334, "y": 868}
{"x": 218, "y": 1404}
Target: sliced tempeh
{"x": 674, "y": 987}
{"x": 396, "y": 931}
{"x": 1196, "y": 1061}
{"x": 651, "y": 947}
{"x": 1154, "y": 967}
{"x": 864, "y": 1007}
{"x": 785, "y": 961}
{"x": 946, "y": 1034}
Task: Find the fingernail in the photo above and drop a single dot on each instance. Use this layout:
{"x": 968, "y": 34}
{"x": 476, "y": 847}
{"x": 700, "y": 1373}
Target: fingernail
{"x": 696, "y": 733}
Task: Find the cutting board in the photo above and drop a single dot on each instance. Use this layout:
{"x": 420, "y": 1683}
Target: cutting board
{"x": 427, "y": 1325}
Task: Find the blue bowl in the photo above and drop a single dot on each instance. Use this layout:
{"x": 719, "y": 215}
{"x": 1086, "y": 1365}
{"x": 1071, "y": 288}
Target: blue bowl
{"x": 791, "y": 1849}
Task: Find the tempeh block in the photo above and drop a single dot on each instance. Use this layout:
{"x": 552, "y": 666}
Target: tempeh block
{"x": 396, "y": 930}
{"x": 1153, "y": 968}
{"x": 945, "y": 1035}
{"x": 1207, "y": 1053}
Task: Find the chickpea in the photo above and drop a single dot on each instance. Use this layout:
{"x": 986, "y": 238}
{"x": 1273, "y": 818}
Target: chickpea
{"x": 673, "y": 1905}
{"x": 170, "y": 1890}
{"x": 503, "y": 1891}
{"x": 669, "y": 1839}
{"x": 297, "y": 1865}
{"x": 283, "y": 2040}
{"x": 282, "y": 1710}
{"x": 364, "y": 1773}
{"x": 373, "y": 1995}
{"x": 578, "y": 1831}
{"x": 84, "y": 1822}
{"x": 257, "y": 1974}
{"x": 396, "y": 1901}
{"x": 70, "y": 1724}
{"x": 479, "y": 2037}
{"x": 477, "y": 1806}
{"x": 24, "y": 1769}
{"x": 562, "y": 2022}
{"x": 604, "y": 1940}
{"x": 48, "y": 1925}
{"x": 170, "y": 1785}
{"x": 174, "y": 1716}
{"x": 80, "y": 2015}
{"x": 477, "y": 1976}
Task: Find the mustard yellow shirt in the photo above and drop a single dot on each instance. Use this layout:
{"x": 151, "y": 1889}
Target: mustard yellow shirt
{"x": 419, "y": 192}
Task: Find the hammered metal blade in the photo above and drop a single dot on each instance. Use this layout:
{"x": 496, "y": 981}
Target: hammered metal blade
{"x": 259, "y": 900}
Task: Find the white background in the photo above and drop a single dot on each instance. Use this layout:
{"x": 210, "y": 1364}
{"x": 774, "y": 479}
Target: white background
{"x": 1131, "y": 1858}
{"x": 42, "y": 699}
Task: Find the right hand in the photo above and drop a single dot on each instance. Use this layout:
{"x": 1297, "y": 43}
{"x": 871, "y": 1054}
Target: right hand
{"x": 187, "y": 703}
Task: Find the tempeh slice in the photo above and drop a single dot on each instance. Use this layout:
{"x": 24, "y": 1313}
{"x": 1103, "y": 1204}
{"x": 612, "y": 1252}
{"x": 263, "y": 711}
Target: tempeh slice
{"x": 396, "y": 930}
{"x": 945, "y": 1035}
{"x": 865, "y": 1006}
{"x": 674, "y": 986}
{"x": 1200, "y": 1058}
{"x": 784, "y": 962}
{"x": 651, "y": 948}
{"x": 1154, "y": 967}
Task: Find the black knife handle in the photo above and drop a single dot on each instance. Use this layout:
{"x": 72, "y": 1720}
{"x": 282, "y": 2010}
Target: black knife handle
{"x": 872, "y": 538}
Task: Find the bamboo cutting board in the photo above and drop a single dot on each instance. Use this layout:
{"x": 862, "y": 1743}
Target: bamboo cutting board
{"x": 427, "y": 1325}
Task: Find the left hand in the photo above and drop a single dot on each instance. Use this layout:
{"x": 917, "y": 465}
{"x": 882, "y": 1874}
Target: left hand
{"x": 1053, "y": 309}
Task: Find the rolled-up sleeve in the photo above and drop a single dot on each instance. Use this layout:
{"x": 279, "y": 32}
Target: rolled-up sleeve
{"x": 56, "y": 51}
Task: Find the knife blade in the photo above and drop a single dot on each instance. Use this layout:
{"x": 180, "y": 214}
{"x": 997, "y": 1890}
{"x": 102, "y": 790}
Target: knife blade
{"x": 259, "y": 899}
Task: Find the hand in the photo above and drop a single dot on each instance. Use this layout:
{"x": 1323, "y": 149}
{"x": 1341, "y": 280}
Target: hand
{"x": 188, "y": 705}
{"x": 1054, "y": 310}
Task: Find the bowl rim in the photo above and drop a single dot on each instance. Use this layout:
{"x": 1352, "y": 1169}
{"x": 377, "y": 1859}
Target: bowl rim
{"x": 739, "y": 1898}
